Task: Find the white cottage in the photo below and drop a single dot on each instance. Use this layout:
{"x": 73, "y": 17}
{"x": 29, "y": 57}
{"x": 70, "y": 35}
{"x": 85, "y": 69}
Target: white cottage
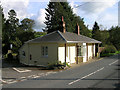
{"x": 58, "y": 46}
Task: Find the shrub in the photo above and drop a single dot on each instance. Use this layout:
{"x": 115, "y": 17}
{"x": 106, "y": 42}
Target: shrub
{"x": 57, "y": 64}
{"x": 67, "y": 64}
{"x": 108, "y": 49}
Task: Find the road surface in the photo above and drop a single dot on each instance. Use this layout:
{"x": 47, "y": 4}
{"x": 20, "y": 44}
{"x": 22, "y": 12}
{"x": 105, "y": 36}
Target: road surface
{"x": 98, "y": 74}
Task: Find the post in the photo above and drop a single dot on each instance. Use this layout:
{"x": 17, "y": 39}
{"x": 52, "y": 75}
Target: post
{"x": 77, "y": 54}
{"x": 98, "y": 53}
{"x": 87, "y": 50}
{"x": 92, "y": 50}
{"x": 65, "y": 54}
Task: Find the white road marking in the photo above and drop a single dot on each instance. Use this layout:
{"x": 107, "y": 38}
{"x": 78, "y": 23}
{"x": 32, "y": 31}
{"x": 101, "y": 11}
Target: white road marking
{"x": 36, "y": 76}
{"x": 12, "y": 82}
{"x": 30, "y": 76}
{"x": 21, "y": 70}
{"x": 3, "y": 81}
{"x": 113, "y": 62}
{"x": 25, "y": 78}
{"x": 85, "y": 76}
{"x": 22, "y": 77}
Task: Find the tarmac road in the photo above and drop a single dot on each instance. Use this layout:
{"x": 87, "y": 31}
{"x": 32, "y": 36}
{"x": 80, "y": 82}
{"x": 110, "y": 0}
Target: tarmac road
{"x": 99, "y": 74}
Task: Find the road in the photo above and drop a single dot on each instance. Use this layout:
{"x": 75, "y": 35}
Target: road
{"x": 98, "y": 74}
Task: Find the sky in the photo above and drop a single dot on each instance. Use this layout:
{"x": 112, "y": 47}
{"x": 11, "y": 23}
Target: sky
{"x": 104, "y": 12}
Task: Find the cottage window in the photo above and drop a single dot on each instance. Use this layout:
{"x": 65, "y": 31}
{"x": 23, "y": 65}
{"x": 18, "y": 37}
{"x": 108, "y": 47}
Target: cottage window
{"x": 44, "y": 51}
{"x": 79, "y": 51}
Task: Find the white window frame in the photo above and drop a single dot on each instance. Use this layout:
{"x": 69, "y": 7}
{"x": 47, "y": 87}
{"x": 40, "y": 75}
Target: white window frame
{"x": 44, "y": 51}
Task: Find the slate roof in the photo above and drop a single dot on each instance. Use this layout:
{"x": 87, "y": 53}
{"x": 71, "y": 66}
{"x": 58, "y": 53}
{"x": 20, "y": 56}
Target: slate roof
{"x": 66, "y": 37}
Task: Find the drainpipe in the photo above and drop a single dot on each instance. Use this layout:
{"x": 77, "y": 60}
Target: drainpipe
{"x": 77, "y": 54}
{"x": 92, "y": 50}
{"x": 87, "y": 50}
{"x": 65, "y": 54}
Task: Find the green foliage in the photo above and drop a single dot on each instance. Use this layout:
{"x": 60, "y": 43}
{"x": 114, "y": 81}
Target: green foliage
{"x": 27, "y": 24}
{"x": 96, "y": 32}
{"x": 117, "y": 52}
{"x": 115, "y": 36}
{"x": 16, "y": 33}
{"x": 39, "y": 34}
{"x": 67, "y": 64}
{"x": 108, "y": 49}
{"x": 105, "y": 37}
{"x": 16, "y": 44}
{"x": 57, "y": 64}
{"x": 9, "y": 30}
{"x": 55, "y": 11}
{"x": 52, "y": 65}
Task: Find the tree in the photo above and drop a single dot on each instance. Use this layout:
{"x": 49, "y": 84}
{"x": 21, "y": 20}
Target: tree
{"x": 83, "y": 29}
{"x": 9, "y": 31}
{"x": 96, "y": 32}
{"x": 55, "y": 11}
{"x": 105, "y": 37}
{"x": 25, "y": 29}
{"x": 2, "y": 21}
{"x": 39, "y": 34}
{"x": 115, "y": 36}
{"x": 27, "y": 24}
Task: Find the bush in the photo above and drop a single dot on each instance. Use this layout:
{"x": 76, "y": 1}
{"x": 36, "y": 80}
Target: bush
{"x": 108, "y": 49}
{"x": 56, "y": 64}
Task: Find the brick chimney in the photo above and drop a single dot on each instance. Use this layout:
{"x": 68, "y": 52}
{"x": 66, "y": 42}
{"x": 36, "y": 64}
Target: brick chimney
{"x": 63, "y": 24}
{"x": 78, "y": 29}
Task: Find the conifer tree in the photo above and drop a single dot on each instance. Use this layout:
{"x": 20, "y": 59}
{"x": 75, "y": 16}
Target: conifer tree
{"x": 96, "y": 32}
{"x": 55, "y": 11}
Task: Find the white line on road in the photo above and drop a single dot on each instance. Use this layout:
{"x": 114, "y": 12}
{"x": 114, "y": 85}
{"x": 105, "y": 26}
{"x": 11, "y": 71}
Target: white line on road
{"x": 12, "y": 82}
{"x": 22, "y": 77}
{"x": 3, "y": 81}
{"x": 85, "y": 76}
{"x": 20, "y": 71}
{"x": 113, "y": 62}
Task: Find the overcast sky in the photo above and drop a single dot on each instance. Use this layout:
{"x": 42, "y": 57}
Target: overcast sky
{"x": 105, "y": 12}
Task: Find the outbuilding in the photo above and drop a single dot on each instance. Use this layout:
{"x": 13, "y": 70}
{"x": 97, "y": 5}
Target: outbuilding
{"x": 58, "y": 46}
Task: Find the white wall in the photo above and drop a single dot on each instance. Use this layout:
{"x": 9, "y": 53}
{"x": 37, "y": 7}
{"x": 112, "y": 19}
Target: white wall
{"x": 24, "y": 59}
{"x": 89, "y": 51}
{"x": 70, "y": 53}
{"x": 35, "y": 50}
{"x": 61, "y": 54}
{"x": 84, "y": 53}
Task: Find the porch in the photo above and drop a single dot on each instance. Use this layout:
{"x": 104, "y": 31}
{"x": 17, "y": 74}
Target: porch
{"x": 76, "y": 52}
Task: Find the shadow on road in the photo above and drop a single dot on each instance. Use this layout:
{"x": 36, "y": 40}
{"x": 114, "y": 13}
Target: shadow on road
{"x": 16, "y": 64}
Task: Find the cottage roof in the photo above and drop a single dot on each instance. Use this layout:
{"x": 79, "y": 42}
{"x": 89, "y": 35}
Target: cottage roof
{"x": 66, "y": 37}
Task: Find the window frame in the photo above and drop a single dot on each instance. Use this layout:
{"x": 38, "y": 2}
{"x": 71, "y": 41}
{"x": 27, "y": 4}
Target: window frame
{"x": 80, "y": 51}
{"x": 44, "y": 51}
